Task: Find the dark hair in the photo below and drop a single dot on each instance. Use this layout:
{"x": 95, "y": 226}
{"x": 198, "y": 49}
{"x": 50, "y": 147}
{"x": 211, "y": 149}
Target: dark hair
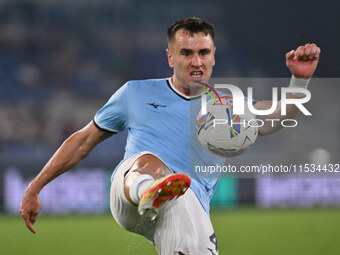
{"x": 192, "y": 25}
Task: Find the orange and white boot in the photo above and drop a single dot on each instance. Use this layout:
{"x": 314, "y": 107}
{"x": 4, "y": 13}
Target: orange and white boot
{"x": 161, "y": 191}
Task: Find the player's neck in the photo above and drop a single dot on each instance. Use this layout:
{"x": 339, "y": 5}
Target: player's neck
{"x": 189, "y": 92}
{"x": 178, "y": 87}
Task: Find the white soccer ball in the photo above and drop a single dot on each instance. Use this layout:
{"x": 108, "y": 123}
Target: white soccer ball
{"x": 223, "y": 133}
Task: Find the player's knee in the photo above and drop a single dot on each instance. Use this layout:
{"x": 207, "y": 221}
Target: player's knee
{"x": 148, "y": 164}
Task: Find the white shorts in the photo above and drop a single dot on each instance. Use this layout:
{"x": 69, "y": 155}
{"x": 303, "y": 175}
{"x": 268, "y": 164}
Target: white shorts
{"x": 181, "y": 226}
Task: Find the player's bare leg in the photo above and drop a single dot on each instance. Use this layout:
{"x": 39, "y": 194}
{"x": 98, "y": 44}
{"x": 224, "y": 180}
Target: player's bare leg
{"x": 146, "y": 164}
{"x": 145, "y": 186}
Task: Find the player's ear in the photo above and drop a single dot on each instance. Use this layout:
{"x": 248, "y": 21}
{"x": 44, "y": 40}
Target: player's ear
{"x": 214, "y": 56}
{"x": 168, "y": 53}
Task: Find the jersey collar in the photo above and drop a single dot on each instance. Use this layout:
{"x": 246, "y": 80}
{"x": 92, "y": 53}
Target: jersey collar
{"x": 172, "y": 87}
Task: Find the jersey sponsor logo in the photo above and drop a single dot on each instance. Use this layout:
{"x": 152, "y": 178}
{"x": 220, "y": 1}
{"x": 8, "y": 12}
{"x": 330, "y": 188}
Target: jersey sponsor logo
{"x": 156, "y": 105}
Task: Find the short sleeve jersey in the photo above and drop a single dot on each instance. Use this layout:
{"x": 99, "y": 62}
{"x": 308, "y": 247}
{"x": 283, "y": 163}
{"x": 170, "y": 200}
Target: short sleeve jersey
{"x": 157, "y": 117}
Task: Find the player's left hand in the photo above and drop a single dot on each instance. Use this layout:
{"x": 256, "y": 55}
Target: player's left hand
{"x": 303, "y": 61}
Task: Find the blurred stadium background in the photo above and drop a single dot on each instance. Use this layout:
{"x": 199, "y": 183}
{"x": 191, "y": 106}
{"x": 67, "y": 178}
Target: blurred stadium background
{"x": 60, "y": 61}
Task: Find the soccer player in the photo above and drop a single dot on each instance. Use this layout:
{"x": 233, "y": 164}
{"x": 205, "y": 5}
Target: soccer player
{"x": 157, "y": 157}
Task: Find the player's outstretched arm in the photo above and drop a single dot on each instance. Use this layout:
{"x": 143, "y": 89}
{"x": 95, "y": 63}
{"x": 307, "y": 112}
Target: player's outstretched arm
{"x": 302, "y": 63}
{"x": 74, "y": 149}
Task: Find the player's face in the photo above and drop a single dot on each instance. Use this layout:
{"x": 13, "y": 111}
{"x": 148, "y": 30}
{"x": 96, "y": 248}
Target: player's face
{"x": 192, "y": 57}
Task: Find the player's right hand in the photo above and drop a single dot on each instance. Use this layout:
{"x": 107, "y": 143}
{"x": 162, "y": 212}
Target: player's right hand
{"x": 29, "y": 208}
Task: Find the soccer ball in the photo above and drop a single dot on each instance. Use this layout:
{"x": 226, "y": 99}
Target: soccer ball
{"x": 223, "y": 133}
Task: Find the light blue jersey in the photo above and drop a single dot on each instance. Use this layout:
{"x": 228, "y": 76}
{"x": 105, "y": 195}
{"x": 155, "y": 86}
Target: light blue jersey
{"x": 158, "y": 120}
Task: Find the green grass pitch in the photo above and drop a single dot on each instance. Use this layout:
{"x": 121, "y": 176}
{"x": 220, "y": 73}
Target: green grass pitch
{"x": 239, "y": 231}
